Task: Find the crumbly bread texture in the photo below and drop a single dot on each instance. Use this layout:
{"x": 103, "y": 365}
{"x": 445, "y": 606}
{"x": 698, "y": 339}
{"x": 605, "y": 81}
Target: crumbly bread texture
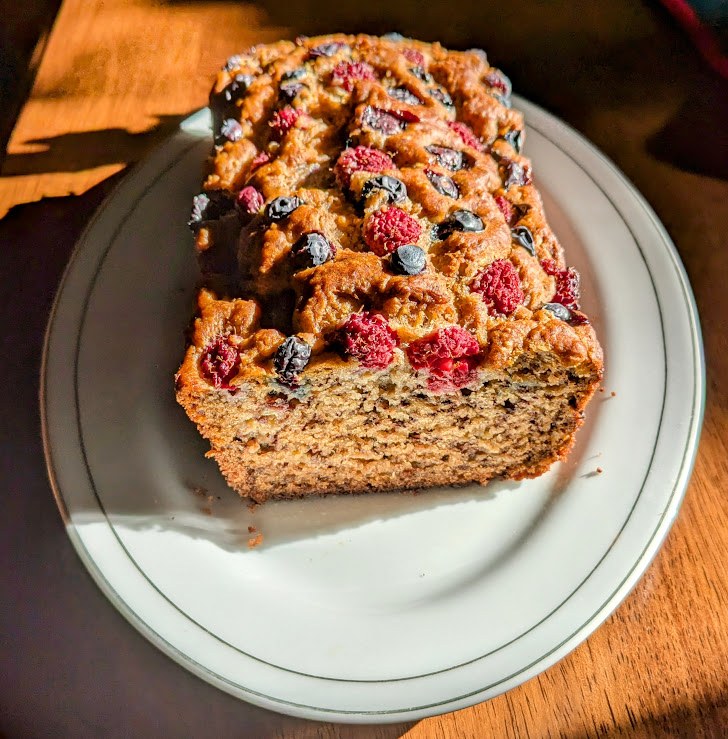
{"x": 383, "y": 305}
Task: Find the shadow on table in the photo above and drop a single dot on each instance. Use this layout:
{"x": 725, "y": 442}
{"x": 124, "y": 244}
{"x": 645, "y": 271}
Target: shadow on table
{"x": 73, "y": 152}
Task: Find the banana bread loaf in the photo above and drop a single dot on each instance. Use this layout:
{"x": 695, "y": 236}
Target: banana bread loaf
{"x": 383, "y": 305}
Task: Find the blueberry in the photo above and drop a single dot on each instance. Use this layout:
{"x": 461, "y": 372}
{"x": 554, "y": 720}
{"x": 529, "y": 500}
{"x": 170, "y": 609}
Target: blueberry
{"x": 422, "y": 74}
{"x": 208, "y": 206}
{"x": 395, "y": 189}
{"x": 293, "y": 74}
{"x": 328, "y": 49}
{"x": 312, "y": 250}
{"x": 523, "y": 236}
{"x": 393, "y": 36}
{"x": 282, "y": 207}
{"x": 230, "y": 130}
{"x": 404, "y": 95}
{"x": 441, "y": 96}
{"x": 237, "y": 87}
{"x": 460, "y": 220}
{"x": 560, "y": 311}
{"x": 448, "y": 158}
{"x": 502, "y": 99}
{"x": 291, "y": 358}
{"x": 381, "y": 120}
{"x": 514, "y": 173}
{"x": 515, "y": 138}
{"x": 289, "y": 90}
{"x": 408, "y": 260}
{"x": 443, "y": 184}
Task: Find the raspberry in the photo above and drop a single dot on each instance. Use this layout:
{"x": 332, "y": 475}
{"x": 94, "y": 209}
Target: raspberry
{"x": 448, "y": 354}
{"x": 507, "y": 209}
{"x": 261, "y": 158}
{"x": 219, "y": 363}
{"x": 361, "y": 159}
{"x": 250, "y": 200}
{"x": 368, "y": 338}
{"x": 346, "y": 73}
{"x": 387, "y": 121}
{"x": 389, "y": 228}
{"x": 284, "y": 119}
{"x": 498, "y": 81}
{"x": 499, "y": 286}
{"x": 567, "y": 284}
{"x": 414, "y": 56}
{"x": 466, "y": 134}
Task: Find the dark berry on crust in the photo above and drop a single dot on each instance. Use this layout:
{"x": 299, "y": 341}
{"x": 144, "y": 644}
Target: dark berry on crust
{"x": 208, "y": 206}
{"x": 250, "y": 200}
{"x": 408, "y": 260}
{"x": 515, "y": 138}
{"x": 368, "y": 338}
{"x": 293, "y": 74}
{"x": 236, "y": 88}
{"x": 230, "y": 130}
{"x": 328, "y": 49}
{"x": 394, "y": 188}
{"x": 441, "y": 96}
{"x": 560, "y": 311}
{"x": 443, "y": 184}
{"x": 219, "y": 363}
{"x": 499, "y": 286}
{"x": 388, "y": 122}
{"x": 448, "y": 158}
{"x": 360, "y": 159}
{"x": 514, "y": 173}
{"x": 496, "y": 80}
{"x": 312, "y": 250}
{"x": 282, "y": 207}
{"x": 387, "y": 229}
{"x": 522, "y": 235}
{"x": 460, "y": 220}
{"x": 291, "y": 359}
{"x": 422, "y": 74}
{"x": 404, "y": 95}
{"x": 289, "y": 90}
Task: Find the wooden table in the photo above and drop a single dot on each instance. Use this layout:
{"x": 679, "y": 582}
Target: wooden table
{"x": 114, "y": 80}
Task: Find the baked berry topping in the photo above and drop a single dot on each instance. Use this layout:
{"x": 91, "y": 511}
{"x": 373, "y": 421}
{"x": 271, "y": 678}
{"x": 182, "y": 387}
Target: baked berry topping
{"x": 560, "y": 311}
{"x": 250, "y": 200}
{"x": 236, "y": 60}
{"x": 393, "y": 36}
{"x": 422, "y": 74}
{"x": 291, "y": 358}
{"x": 284, "y": 119}
{"x": 404, "y": 95}
{"x": 294, "y": 74}
{"x": 289, "y": 90}
{"x": 230, "y": 130}
{"x": 502, "y": 99}
{"x": 220, "y": 363}
{"x": 408, "y": 260}
{"x": 261, "y": 158}
{"x": 387, "y": 229}
{"x": 282, "y": 207}
{"x": 443, "y": 184}
{"x": 414, "y": 56}
{"x": 208, "y": 206}
{"x": 328, "y": 49}
{"x": 466, "y": 134}
{"x": 360, "y": 159}
{"x": 368, "y": 338}
{"x": 345, "y": 74}
{"x": 395, "y": 189}
{"x": 549, "y": 267}
{"x": 496, "y": 80}
{"x": 522, "y": 235}
{"x": 514, "y": 173}
{"x": 388, "y": 122}
{"x": 237, "y": 87}
{"x": 499, "y": 286}
{"x": 448, "y": 158}
{"x": 449, "y": 355}
{"x": 507, "y": 209}
{"x": 312, "y": 250}
{"x": 436, "y": 93}
{"x": 460, "y": 220}
{"x": 515, "y": 138}
{"x": 567, "y": 288}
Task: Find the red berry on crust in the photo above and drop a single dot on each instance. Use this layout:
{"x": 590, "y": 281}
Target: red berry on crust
{"x": 261, "y": 158}
{"x": 361, "y": 159}
{"x": 346, "y": 73}
{"x": 387, "y": 229}
{"x": 414, "y": 56}
{"x": 250, "y": 200}
{"x": 499, "y": 286}
{"x": 219, "y": 363}
{"x": 368, "y": 338}
{"x": 284, "y": 119}
{"x": 449, "y": 355}
{"x": 567, "y": 284}
{"x": 506, "y": 208}
{"x": 466, "y": 134}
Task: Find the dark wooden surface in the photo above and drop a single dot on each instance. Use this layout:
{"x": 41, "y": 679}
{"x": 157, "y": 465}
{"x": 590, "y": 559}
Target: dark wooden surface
{"x": 115, "y": 78}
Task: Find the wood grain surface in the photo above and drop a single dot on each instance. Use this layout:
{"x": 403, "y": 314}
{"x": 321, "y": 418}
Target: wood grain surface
{"x": 115, "y": 79}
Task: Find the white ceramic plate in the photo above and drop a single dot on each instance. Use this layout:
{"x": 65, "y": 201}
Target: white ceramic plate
{"x": 372, "y": 608}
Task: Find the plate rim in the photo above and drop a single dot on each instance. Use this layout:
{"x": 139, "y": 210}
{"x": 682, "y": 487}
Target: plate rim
{"x": 543, "y": 662}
